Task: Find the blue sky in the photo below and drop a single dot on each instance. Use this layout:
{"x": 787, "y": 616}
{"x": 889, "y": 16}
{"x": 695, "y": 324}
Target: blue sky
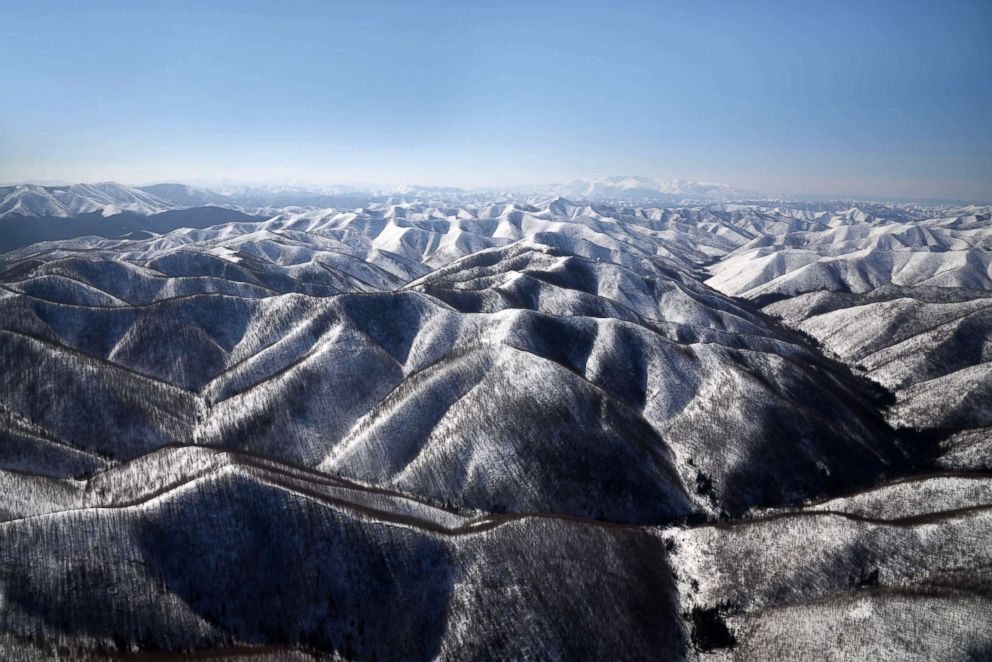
{"x": 860, "y": 98}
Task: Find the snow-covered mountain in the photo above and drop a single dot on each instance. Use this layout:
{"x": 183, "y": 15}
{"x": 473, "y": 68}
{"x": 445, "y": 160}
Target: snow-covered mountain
{"x": 107, "y": 198}
{"x": 460, "y": 427}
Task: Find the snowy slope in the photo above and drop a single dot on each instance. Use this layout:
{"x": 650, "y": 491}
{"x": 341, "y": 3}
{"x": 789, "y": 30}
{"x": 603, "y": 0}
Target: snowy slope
{"x": 106, "y": 198}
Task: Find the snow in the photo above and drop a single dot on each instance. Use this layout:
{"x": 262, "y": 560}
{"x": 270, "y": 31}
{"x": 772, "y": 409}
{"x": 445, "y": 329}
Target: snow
{"x": 463, "y": 425}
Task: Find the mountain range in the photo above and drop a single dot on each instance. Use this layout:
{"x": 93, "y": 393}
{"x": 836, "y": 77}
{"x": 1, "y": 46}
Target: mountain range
{"x": 619, "y": 418}
{"x": 110, "y": 198}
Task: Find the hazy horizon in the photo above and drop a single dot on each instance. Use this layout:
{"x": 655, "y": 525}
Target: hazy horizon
{"x": 384, "y": 187}
{"x": 838, "y": 99}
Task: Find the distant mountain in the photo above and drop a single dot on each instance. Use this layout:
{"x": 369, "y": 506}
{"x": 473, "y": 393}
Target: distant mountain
{"x": 641, "y": 189}
{"x": 646, "y": 189}
{"x": 108, "y": 198}
{"x": 272, "y": 198}
{"x": 30, "y": 200}
{"x": 186, "y": 196}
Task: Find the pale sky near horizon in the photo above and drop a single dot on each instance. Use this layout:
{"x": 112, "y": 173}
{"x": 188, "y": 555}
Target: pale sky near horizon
{"x": 885, "y": 98}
